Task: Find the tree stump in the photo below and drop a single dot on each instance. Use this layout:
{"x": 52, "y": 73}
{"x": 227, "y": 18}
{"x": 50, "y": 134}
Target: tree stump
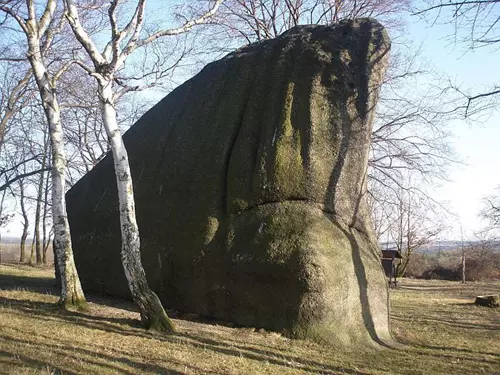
{"x": 488, "y": 301}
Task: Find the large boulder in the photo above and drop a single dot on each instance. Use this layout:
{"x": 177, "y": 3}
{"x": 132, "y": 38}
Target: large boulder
{"x": 250, "y": 187}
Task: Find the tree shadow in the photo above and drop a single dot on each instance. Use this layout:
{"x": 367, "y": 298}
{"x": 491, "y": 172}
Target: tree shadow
{"x": 19, "y": 359}
{"x": 429, "y": 288}
{"x": 47, "y": 285}
{"x": 450, "y": 322}
{"x": 34, "y": 284}
{"x": 82, "y": 355}
{"x": 454, "y": 355}
{"x": 461, "y": 350}
{"x": 49, "y": 312}
{"x": 277, "y": 357}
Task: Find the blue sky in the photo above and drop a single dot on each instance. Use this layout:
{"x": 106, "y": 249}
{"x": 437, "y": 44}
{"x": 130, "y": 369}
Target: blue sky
{"x": 476, "y": 143}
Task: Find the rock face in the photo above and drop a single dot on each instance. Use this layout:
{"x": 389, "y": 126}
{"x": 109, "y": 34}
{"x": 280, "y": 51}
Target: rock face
{"x": 250, "y": 183}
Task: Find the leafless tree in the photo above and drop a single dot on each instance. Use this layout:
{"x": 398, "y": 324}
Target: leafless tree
{"x": 40, "y": 24}
{"x": 24, "y": 158}
{"x": 107, "y": 67}
{"x": 256, "y": 20}
{"x": 476, "y": 24}
{"x": 491, "y": 213}
{"x": 13, "y": 94}
{"x": 417, "y": 224}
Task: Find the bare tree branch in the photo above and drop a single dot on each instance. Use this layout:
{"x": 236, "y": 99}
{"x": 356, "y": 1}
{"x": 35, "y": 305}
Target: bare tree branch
{"x": 21, "y": 176}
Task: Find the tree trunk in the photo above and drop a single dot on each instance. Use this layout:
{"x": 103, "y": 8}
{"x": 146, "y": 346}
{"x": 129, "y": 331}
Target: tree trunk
{"x": 45, "y": 240}
{"x": 463, "y": 268}
{"x": 71, "y": 290}
{"x": 463, "y": 257}
{"x": 22, "y": 256}
{"x": 1, "y": 220}
{"x": 152, "y": 313}
{"x": 38, "y": 213}
{"x": 404, "y": 263}
{"x": 32, "y": 251}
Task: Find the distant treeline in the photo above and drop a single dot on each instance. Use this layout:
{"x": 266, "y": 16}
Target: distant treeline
{"x": 482, "y": 263}
{"x": 449, "y": 245}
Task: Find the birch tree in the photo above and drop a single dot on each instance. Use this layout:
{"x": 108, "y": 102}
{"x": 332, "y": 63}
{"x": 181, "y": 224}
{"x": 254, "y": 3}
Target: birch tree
{"x": 106, "y": 64}
{"x": 40, "y": 33}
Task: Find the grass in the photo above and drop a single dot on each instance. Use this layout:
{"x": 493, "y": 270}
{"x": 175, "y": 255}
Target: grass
{"x": 9, "y": 252}
{"x": 442, "y": 332}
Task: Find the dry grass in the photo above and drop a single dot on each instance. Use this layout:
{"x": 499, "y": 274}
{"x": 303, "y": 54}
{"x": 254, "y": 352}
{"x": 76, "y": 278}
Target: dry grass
{"x": 9, "y": 252}
{"x": 443, "y": 332}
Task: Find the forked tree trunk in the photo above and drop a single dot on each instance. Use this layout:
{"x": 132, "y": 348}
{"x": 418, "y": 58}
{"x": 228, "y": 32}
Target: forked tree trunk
{"x": 152, "y": 313}
{"x": 71, "y": 290}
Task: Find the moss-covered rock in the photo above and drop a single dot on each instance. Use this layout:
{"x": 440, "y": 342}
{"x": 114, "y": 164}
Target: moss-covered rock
{"x": 250, "y": 183}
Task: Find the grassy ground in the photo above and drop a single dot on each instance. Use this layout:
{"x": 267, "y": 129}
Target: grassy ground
{"x": 443, "y": 333}
{"x": 9, "y": 252}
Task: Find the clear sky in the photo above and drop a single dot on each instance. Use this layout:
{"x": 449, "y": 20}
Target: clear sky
{"x": 476, "y": 143}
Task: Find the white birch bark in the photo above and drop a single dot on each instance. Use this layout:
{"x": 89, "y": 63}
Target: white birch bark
{"x": 37, "y": 30}
{"x": 71, "y": 290}
{"x": 123, "y": 42}
{"x": 152, "y": 313}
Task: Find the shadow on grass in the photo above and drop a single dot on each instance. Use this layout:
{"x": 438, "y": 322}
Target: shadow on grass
{"x": 30, "y": 283}
{"x": 47, "y": 285}
{"x": 431, "y": 288}
{"x": 469, "y": 290}
{"x": 461, "y": 350}
{"x": 277, "y": 357}
{"x": 81, "y": 356}
{"x": 49, "y": 312}
{"x": 19, "y": 360}
{"x": 449, "y": 322}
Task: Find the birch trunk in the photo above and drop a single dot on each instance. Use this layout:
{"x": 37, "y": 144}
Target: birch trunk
{"x": 152, "y": 313}
{"x": 71, "y": 290}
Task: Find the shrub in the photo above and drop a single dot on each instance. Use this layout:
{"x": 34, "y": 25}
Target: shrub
{"x": 481, "y": 263}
